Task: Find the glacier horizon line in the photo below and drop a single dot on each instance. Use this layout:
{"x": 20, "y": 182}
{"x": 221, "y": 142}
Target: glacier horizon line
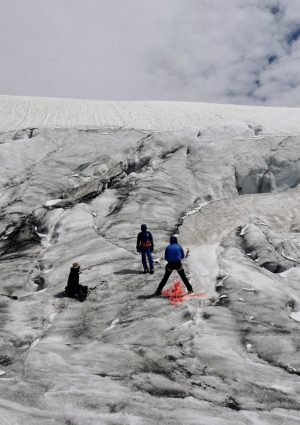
{"x": 20, "y": 112}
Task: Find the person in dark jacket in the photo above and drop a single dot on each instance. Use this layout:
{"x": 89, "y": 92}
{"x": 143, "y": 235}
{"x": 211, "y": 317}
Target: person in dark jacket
{"x": 144, "y": 245}
{"x": 173, "y": 255}
{"x": 73, "y": 288}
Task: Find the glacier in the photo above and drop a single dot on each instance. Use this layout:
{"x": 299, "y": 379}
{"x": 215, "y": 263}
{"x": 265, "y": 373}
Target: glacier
{"x": 78, "y": 178}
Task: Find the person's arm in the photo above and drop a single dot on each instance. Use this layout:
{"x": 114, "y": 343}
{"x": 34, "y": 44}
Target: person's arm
{"x": 151, "y": 241}
{"x": 69, "y": 279}
{"x": 181, "y": 252}
{"x": 166, "y": 254}
{"x": 138, "y": 242}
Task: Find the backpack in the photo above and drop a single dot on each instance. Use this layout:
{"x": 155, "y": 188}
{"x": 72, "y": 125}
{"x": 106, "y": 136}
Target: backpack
{"x": 146, "y": 240}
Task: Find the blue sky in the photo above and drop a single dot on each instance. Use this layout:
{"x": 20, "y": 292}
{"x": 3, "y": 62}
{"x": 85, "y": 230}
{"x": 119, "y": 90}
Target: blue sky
{"x": 233, "y": 51}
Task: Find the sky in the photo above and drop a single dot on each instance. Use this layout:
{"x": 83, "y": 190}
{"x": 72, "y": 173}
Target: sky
{"x": 221, "y": 51}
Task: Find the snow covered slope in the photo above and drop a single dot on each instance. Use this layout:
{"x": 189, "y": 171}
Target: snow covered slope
{"x": 228, "y": 184}
{"x": 28, "y": 112}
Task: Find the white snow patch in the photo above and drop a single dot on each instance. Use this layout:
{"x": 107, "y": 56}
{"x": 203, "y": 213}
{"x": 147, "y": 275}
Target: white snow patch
{"x": 35, "y": 342}
{"x": 293, "y": 273}
{"x": 243, "y": 231}
{"x": 51, "y": 317}
{"x": 52, "y": 202}
{"x": 295, "y": 315}
{"x": 195, "y": 210}
{"x": 132, "y": 175}
{"x": 33, "y": 294}
{"x": 113, "y": 324}
{"x": 249, "y": 348}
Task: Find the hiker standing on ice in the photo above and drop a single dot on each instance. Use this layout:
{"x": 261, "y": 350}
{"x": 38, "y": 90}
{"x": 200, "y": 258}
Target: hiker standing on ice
{"x": 144, "y": 245}
{"x": 173, "y": 255}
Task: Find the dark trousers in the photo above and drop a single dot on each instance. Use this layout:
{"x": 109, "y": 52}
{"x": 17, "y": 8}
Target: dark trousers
{"x": 170, "y": 267}
{"x": 146, "y": 252}
{"x": 78, "y": 291}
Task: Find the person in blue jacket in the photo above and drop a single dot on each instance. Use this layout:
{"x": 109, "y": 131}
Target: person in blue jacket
{"x": 173, "y": 255}
{"x": 145, "y": 246}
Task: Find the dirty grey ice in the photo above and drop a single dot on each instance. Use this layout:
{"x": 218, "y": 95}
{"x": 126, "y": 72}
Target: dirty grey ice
{"x": 232, "y": 195}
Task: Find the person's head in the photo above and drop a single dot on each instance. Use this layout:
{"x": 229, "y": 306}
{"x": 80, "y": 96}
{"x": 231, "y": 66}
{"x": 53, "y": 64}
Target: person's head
{"x": 76, "y": 265}
{"x": 173, "y": 239}
{"x": 143, "y": 227}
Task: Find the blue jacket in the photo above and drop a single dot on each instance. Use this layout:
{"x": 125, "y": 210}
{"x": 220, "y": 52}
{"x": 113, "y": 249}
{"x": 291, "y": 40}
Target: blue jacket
{"x": 174, "y": 253}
